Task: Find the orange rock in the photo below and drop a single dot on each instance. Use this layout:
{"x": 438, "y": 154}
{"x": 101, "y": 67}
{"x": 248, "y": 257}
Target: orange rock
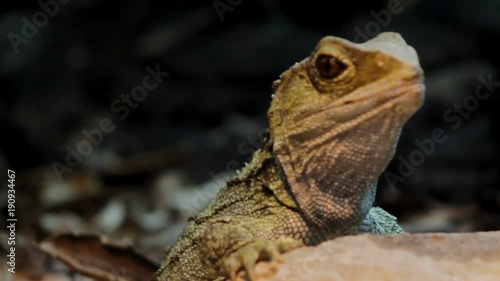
{"x": 418, "y": 257}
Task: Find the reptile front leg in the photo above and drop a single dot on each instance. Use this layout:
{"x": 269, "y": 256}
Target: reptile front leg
{"x": 229, "y": 247}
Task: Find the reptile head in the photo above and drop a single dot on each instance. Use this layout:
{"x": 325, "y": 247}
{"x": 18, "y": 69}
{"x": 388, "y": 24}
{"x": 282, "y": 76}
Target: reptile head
{"x": 335, "y": 120}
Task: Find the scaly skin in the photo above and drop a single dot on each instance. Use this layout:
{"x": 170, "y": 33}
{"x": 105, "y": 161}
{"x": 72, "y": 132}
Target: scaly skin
{"x": 334, "y": 123}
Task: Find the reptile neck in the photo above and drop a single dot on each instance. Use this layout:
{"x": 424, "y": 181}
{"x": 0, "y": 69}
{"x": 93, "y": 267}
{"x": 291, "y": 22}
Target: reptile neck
{"x": 264, "y": 171}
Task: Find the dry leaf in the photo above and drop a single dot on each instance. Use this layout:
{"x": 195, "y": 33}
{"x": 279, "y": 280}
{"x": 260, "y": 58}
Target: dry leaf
{"x": 100, "y": 258}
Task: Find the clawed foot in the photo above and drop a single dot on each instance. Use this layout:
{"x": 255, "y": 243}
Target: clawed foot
{"x": 246, "y": 257}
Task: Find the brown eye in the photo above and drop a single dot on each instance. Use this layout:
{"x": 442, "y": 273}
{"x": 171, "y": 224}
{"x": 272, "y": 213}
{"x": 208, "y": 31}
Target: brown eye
{"x": 329, "y": 67}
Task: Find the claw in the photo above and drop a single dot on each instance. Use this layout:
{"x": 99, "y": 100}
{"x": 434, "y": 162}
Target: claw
{"x": 231, "y": 265}
{"x": 277, "y": 256}
{"x": 248, "y": 259}
{"x": 232, "y": 275}
{"x": 251, "y": 274}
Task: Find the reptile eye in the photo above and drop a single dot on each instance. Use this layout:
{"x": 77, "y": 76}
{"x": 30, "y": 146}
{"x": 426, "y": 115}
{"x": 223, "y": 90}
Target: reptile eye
{"x": 329, "y": 67}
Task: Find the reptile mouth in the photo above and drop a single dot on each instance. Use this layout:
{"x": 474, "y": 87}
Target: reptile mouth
{"x": 407, "y": 94}
{"x": 405, "y": 97}
{"x": 389, "y": 92}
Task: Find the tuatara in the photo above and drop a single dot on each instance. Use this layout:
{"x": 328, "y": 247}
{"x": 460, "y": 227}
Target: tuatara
{"x": 334, "y": 122}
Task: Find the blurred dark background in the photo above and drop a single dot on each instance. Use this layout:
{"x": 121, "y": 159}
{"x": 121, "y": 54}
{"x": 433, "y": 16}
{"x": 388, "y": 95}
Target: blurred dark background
{"x": 63, "y": 74}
